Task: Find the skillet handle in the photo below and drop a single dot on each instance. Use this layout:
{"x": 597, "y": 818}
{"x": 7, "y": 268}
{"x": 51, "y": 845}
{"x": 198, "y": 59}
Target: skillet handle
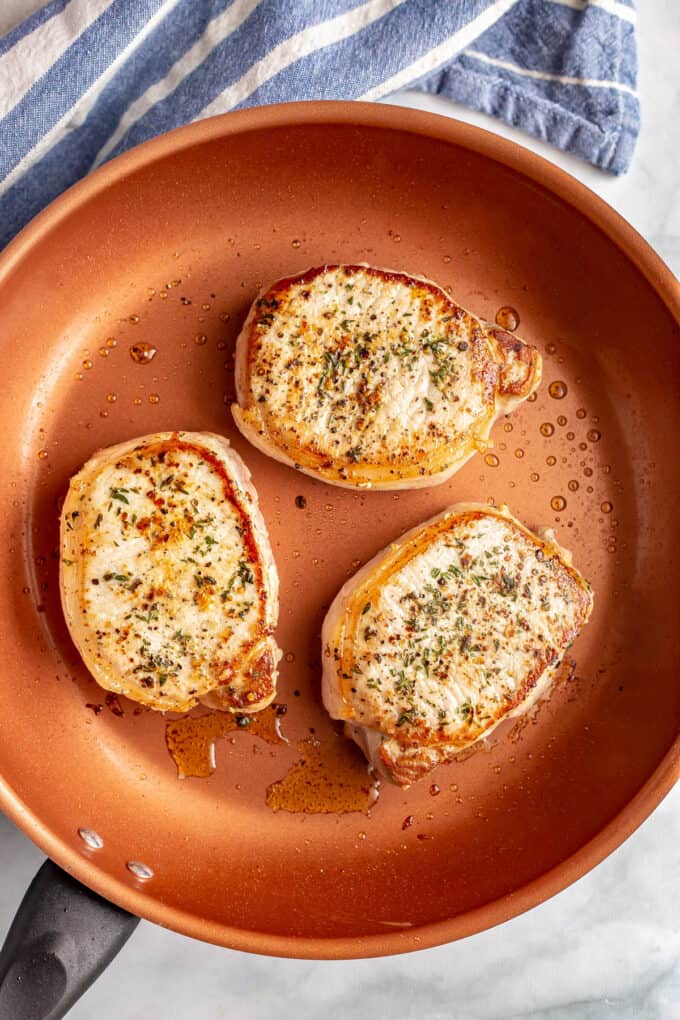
{"x": 61, "y": 939}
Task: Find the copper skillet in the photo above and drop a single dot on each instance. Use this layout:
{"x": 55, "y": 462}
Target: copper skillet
{"x": 207, "y": 213}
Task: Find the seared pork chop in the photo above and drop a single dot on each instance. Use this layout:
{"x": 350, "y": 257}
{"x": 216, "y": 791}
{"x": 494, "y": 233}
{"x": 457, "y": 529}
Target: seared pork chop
{"x": 455, "y": 627}
{"x": 368, "y": 378}
{"x": 168, "y": 582}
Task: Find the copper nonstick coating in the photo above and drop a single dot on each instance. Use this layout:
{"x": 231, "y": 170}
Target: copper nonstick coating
{"x": 206, "y": 215}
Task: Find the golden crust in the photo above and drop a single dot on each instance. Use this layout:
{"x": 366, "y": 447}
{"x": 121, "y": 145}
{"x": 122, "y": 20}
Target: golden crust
{"x": 454, "y": 628}
{"x": 369, "y": 378}
{"x": 168, "y": 583}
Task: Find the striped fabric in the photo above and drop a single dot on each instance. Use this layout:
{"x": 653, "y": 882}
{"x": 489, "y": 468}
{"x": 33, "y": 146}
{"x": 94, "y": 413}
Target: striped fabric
{"x": 83, "y": 80}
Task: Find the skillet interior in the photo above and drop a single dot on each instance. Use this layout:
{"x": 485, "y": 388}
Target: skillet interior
{"x": 208, "y": 215}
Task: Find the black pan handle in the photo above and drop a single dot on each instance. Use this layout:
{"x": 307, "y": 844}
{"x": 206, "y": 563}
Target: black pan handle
{"x": 61, "y": 939}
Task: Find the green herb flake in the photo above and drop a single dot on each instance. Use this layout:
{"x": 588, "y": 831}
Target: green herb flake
{"x": 119, "y": 494}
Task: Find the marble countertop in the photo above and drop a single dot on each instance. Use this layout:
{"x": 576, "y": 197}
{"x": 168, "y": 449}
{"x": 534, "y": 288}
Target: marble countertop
{"x": 607, "y": 948}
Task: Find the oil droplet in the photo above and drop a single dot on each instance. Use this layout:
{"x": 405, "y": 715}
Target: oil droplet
{"x": 329, "y": 506}
{"x": 519, "y": 453}
{"x": 111, "y": 343}
{"x": 532, "y": 398}
{"x": 396, "y": 238}
{"x": 447, "y": 259}
{"x": 151, "y": 291}
{"x": 572, "y": 485}
{"x": 104, "y": 352}
{"x": 154, "y": 398}
{"x": 295, "y": 243}
{"x": 561, "y": 420}
{"x": 103, "y": 414}
{"x": 289, "y": 657}
{"x": 507, "y": 427}
{"x": 42, "y": 454}
{"x": 551, "y": 461}
{"x": 224, "y": 317}
{"x": 606, "y": 468}
{"x": 587, "y": 472}
{"x": 534, "y": 476}
{"x": 111, "y": 397}
{"x": 163, "y": 294}
{"x": 503, "y": 446}
{"x": 557, "y": 389}
{"x": 205, "y": 306}
{"x": 606, "y": 507}
{"x": 491, "y": 459}
{"x": 594, "y": 436}
{"x": 570, "y": 436}
{"x": 590, "y": 489}
{"x": 507, "y": 317}
{"x": 87, "y": 363}
{"x": 134, "y": 319}
{"x": 547, "y": 428}
{"x": 435, "y": 790}
{"x": 583, "y": 446}
{"x": 200, "y": 339}
{"x": 581, "y": 412}
{"x": 137, "y": 401}
{"x": 329, "y": 778}
{"x": 142, "y": 353}
{"x": 558, "y": 503}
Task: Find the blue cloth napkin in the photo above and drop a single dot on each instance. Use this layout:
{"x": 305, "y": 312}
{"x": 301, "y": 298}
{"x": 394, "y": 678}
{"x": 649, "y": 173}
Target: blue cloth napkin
{"x": 83, "y": 80}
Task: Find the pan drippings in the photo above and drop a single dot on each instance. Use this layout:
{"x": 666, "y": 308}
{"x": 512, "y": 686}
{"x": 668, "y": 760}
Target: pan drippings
{"x": 191, "y": 740}
{"x": 331, "y": 777}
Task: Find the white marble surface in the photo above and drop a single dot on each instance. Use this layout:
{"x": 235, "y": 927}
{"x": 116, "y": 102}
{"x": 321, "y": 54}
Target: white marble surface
{"x": 608, "y": 948}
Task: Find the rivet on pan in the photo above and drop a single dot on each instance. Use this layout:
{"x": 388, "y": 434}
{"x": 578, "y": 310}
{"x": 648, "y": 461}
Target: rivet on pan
{"x": 139, "y": 870}
{"x": 91, "y": 839}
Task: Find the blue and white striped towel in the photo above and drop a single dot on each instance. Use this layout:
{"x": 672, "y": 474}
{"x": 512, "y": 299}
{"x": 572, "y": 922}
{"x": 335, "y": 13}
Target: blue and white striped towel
{"x": 83, "y": 80}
